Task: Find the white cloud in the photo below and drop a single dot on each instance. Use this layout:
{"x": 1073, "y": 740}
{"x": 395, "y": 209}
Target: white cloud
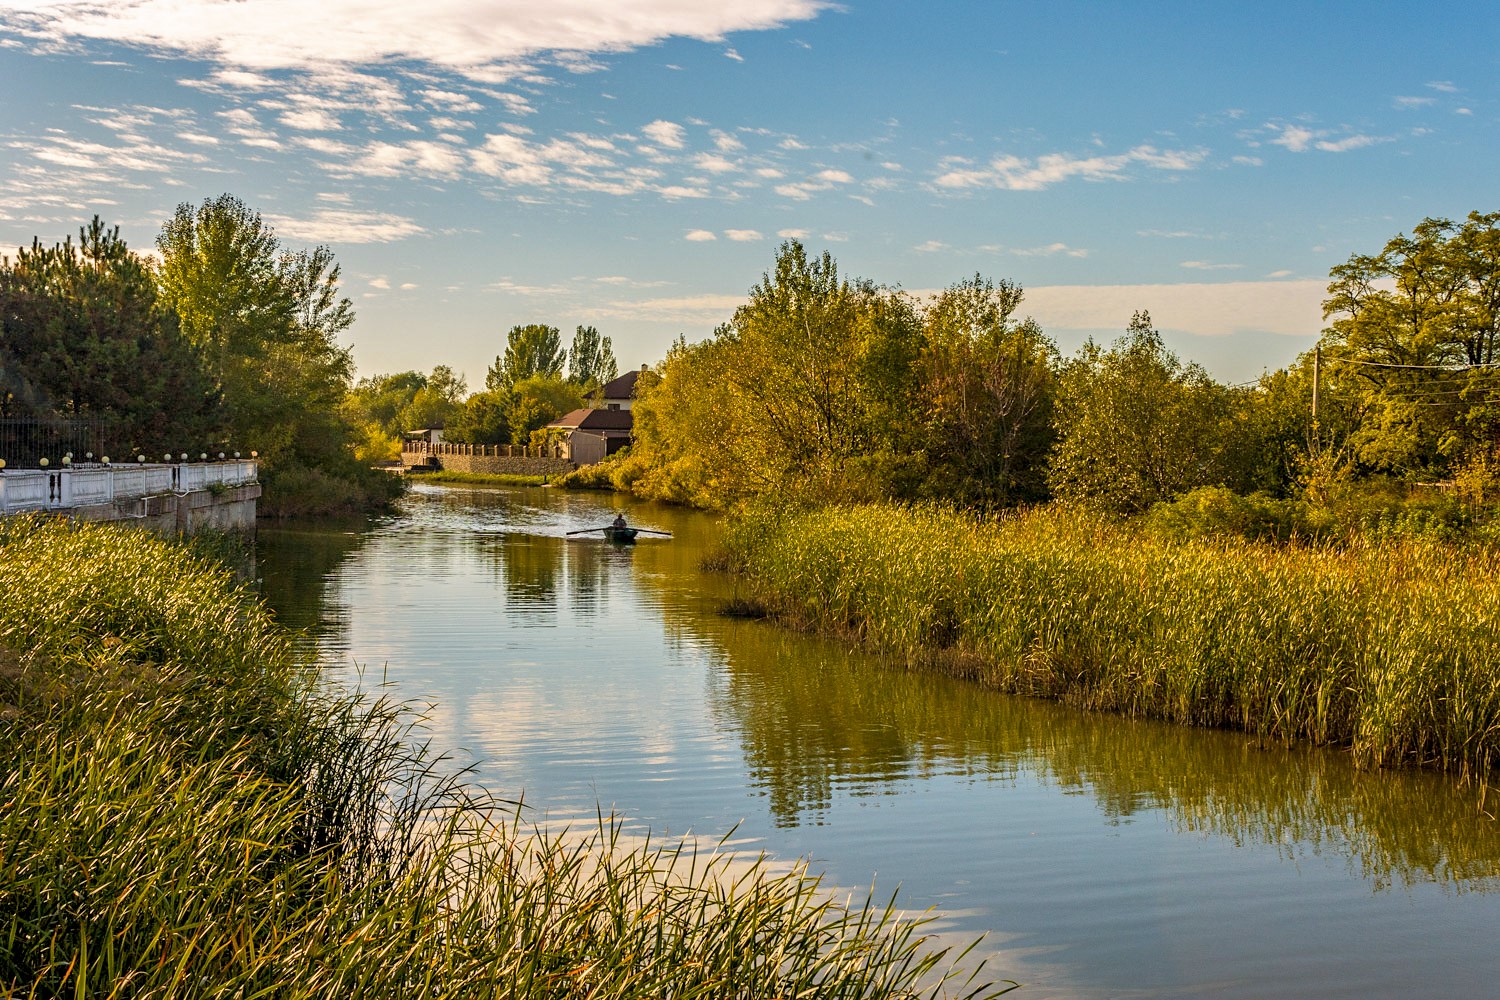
{"x": 1414, "y": 102}
{"x": 689, "y": 310}
{"x": 1443, "y": 86}
{"x": 732, "y": 54}
{"x": 1291, "y": 308}
{"x": 1280, "y": 274}
{"x": 668, "y": 134}
{"x": 311, "y": 120}
{"x": 834, "y": 177}
{"x": 792, "y": 234}
{"x": 1463, "y": 111}
{"x": 488, "y": 42}
{"x": 1203, "y": 265}
{"x": 1349, "y": 142}
{"x": 743, "y": 235}
{"x": 1014, "y": 173}
{"x": 1295, "y": 138}
{"x": 700, "y": 236}
{"x": 714, "y": 163}
{"x": 379, "y": 283}
{"x": 675, "y": 191}
{"x": 451, "y": 100}
{"x": 1050, "y": 250}
{"x": 931, "y": 246}
{"x": 725, "y": 142}
{"x": 1298, "y": 139}
{"x": 332, "y": 225}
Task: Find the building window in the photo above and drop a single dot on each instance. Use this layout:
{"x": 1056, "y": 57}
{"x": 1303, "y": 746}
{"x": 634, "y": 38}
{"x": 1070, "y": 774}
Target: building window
{"x": 614, "y": 406}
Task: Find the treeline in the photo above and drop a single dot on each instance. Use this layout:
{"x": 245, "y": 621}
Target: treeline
{"x": 826, "y": 388}
{"x": 524, "y": 390}
{"x": 227, "y": 341}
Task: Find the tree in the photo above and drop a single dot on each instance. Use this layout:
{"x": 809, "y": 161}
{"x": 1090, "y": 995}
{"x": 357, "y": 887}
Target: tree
{"x": 1418, "y": 327}
{"x": 536, "y": 401}
{"x": 1135, "y": 426}
{"x": 988, "y": 385}
{"x": 481, "y": 420}
{"x": 269, "y": 320}
{"x": 84, "y": 334}
{"x": 591, "y": 359}
{"x": 530, "y": 350}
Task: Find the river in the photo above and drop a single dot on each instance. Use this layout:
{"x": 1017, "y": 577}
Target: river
{"x": 1099, "y": 856}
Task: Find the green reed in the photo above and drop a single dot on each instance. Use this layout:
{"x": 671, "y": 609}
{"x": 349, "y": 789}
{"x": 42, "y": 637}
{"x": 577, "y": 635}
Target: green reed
{"x": 187, "y": 814}
{"x": 1391, "y": 649}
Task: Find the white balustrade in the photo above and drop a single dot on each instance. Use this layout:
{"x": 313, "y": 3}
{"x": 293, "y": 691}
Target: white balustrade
{"x": 59, "y": 489}
{"x": 24, "y": 490}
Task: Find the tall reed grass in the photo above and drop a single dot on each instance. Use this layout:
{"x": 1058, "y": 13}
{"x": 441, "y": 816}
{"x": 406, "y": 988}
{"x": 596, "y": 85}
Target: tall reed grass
{"x": 1391, "y": 649}
{"x": 185, "y": 813}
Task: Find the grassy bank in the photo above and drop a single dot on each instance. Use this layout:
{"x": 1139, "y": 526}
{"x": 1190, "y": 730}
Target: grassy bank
{"x": 186, "y": 815}
{"x": 475, "y": 478}
{"x": 1391, "y": 649}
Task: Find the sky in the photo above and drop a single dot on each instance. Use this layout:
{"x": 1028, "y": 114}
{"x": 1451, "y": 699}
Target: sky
{"x": 635, "y": 164}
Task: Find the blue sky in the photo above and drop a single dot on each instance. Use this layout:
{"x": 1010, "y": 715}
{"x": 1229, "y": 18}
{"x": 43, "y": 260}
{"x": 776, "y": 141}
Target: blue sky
{"x": 634, "y": 164}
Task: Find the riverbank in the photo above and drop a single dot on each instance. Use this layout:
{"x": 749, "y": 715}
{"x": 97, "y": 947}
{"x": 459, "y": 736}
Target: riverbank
{"x": 446, "y": 477}
{"x": 1389, "y": 649}
{"x": 189, "y": 811}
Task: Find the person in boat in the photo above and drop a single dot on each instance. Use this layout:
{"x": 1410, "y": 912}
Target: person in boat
{"x": 619, "y": 522}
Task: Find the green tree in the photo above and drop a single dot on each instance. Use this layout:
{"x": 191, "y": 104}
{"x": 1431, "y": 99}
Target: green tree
{"x": 536, "y": 401}
{"x": 1135, "y": 426}
{"x": 534, "y": 349}
{"x": 268, "y": 321}
{"x": 988, "y": 386}
{"x": 84, "y": 334}
{"x": 481, "y": 420}
{"x": 591, "y": 359}
{"x": 1418, "y": 327}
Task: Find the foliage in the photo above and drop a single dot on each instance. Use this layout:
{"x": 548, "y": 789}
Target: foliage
{"x": 591, "y": 359}
{"x": 1417, "y": 328}
{"x": 268, "y": 322}
{"x": 85, "y": 334}
{"x": 188, "y": 812}
{"x": 530, "y": 350}
{"x": 481, "y": 420}
{"x": 536, "y": 401}
{"x": 384, "y": 407}
{"x": 988, "y": 385}
{"x": 804, "y": 392}
{"x": 1135, "y": 426}
{"x": 1390, "y": 648}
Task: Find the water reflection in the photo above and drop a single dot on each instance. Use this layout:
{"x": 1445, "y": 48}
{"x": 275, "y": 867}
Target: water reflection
{"x": 815, "y": 724}
{"x": 847, "y": 725}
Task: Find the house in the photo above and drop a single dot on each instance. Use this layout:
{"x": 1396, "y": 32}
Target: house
{"x": 590, "y": 435}
{"x": 618, "y": 393}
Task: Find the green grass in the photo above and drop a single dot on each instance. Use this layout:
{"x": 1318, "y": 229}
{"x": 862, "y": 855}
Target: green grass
{"x": 477, "y": 478}
{"x": 186, "y": 813}
{"x": 1389, "y": 648}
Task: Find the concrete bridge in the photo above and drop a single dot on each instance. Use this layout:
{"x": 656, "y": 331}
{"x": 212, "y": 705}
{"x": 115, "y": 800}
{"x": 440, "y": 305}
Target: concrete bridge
{"x": 169, "y": 497}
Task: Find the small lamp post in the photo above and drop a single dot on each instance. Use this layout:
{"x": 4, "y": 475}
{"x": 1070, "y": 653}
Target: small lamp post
{"x": 42, "y": 463}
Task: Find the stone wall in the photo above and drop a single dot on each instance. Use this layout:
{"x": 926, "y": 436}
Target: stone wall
{"x": 229, "y": 509}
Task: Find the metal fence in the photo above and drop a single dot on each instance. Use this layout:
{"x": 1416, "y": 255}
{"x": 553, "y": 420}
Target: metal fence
{"x": 25, "y": 441}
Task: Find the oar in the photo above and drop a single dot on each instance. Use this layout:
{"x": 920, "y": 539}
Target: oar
{"x": 652, "y": 531}
{"x": 584, "y": 531}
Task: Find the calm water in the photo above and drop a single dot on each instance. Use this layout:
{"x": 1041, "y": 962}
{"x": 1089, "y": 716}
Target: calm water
{"x": 1100, "y": 856}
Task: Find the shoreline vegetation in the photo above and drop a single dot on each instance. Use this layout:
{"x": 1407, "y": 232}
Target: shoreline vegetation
{"x": 1386, "y": 646}
{"x": 475, "y": 478}
{"x": 189, "y": 812}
